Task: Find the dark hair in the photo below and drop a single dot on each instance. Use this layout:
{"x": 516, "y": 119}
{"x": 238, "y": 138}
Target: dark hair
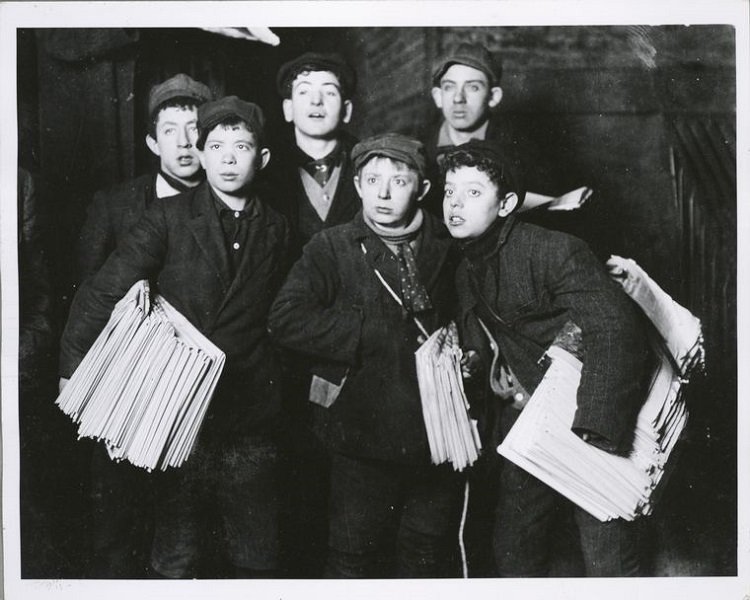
{"x": 305, "y": 68}
{"x": 183, "y": 102}
{"x": 230, "y": 121}
{"x": 495, "y": 171}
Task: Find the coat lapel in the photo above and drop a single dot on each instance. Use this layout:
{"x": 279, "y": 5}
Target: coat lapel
{"x": 206, "y": 230}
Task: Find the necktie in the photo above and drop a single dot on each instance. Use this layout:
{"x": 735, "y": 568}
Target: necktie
{"x": 415, "y": 296}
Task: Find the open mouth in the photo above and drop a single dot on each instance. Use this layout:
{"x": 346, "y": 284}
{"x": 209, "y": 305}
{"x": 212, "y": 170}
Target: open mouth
{"x": 319, "y": 116}
{"x": 228, "y": 176}
{"x": 455, "y": 220}
{"x": 185, "y": 160}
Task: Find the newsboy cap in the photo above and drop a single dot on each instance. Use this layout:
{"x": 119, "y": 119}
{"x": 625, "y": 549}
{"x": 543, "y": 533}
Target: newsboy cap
{"x": 472, "y": 55}
{"x": 212, "y": 113}
{"x": 316, "y": 61}
{"x": 179, "y": 86}
{"x": 391, "y": 145}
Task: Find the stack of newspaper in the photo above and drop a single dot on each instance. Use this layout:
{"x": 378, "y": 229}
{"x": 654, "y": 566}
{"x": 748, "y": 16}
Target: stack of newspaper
{"x": 451, "y": 433}
{"x": 146, "y": 383}
{"x": 606, "y": 485}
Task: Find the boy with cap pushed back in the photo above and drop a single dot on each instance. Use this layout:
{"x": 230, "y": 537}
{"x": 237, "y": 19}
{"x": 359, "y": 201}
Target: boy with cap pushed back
{"x": 217, "y": 253}
{"x": 312, "y": 178}
{"x": 172, "y": 131}
{"x": 350, "y": 305}
{"x": 529, "y": 286}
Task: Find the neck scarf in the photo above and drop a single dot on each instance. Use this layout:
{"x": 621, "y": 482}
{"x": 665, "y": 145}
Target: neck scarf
{"x": 180, "y": 186}
{"x": 413, "y": 292}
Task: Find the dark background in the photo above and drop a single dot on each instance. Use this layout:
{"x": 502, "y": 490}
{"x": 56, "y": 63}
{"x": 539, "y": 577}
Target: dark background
{"x": 644, "y": 115}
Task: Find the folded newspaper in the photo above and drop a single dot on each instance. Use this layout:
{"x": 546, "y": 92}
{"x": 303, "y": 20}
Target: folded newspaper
{"x": 145, "y": 385}
{"x": 451, "y": 433}
{"x": 606, "y": 485}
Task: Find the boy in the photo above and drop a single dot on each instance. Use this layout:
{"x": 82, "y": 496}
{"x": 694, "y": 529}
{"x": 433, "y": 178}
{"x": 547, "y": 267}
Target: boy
{"x": 216, "y": 253}
{"x": 526, "y": 283}
{"x": 172, "y": 111}
{"x": 120, "y": 492}
{"x": 466, "y": 89}
{"x": 386, "y": 498}
{"x": 313, "y": 181}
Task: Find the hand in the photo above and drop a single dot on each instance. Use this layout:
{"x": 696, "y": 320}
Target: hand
{"x": 63, "y": 382}
{"x": 469, "y": 364}
{"x": 254, "y": 34}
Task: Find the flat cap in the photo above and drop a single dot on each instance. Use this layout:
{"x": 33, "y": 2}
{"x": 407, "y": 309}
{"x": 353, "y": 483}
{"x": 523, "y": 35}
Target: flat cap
{"x": 212, "y": 113}
{"x": 179, "y": 86}
{"x": 472, "y": 55}
{"x": 392, "y": 145}
{"x": 316, "y": 61}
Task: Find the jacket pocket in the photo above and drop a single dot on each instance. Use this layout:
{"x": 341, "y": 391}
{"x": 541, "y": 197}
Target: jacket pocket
{"x": 324, "y": 392}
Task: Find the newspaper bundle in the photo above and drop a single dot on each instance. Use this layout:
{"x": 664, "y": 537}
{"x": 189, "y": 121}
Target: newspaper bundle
{"x": 145, "y": 385}
{"x": 606, "y": 485}
{"x": 451, "y": 433}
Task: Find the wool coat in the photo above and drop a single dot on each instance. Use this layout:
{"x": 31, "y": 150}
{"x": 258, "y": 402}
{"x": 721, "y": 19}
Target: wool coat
{"x": 334, "y": 309}
{"x": 536, "y": 280}
{"x": 179, "y": 246}
{"x": 109, "y": 217}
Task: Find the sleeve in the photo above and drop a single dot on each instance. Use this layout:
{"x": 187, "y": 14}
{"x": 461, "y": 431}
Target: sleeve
{"x": 96, "y": 240}
{"x": 611, "y": 387}
{"x": 140, "y": 256}
{"x": 314, "y": 313}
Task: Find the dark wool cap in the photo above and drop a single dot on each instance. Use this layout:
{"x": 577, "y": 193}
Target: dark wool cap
{"x": 179, "y": 86}
{"x": 472, "y": 55}
{"x": 392, "y": 145}
{"x": 316, "y": 61}
{"x": 212, "y": 113}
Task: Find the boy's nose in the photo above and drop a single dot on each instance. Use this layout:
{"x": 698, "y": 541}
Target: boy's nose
{"x": 183, "y": 138}
{"x": 385, "y": 191}
{"x": 459, "y": 97}
{"x": 316, "y": 98}
{"x": 228, "y": 158}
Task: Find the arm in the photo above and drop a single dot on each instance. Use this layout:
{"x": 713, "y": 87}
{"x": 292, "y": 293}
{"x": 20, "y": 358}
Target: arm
{"x": 313, "y": 313}
{"x": 611, "y": 388}
{"x": 138, "y": 257}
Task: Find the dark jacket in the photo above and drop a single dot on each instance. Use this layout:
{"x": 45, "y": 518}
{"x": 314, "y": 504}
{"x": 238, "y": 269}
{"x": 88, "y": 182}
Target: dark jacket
{"x": 288, "y": 195}
{"x": 109, "y": 217}
{"x": 180, "y": 247}
{"x": 536, "y": 280}
{"x": 333, "y": 308}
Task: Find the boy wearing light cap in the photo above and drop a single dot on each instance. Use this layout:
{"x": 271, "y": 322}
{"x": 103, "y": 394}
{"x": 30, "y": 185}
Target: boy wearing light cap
{"x": 172, "y": 129}
{"x": 386, "y": 499}
{"x": 217, "y": 254}
{"x": 312, "y": 179}
{"x": 528, "y": 284}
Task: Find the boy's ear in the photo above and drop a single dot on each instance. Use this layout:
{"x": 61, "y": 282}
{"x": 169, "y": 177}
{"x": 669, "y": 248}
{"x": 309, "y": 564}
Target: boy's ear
{"x": 496, "y": 94}
{"x": 507, "y": 204}
{"x": 286, "y": 108}
{"x": 265, "y": 156}
{"x": 347, "y": 109}
{"x": 357, "y": 186}
{"x": 201, "y": 157}
{"x": 152, "y": 144}
{"x": 437, "y": 97}
{"x": 425, "y": 187}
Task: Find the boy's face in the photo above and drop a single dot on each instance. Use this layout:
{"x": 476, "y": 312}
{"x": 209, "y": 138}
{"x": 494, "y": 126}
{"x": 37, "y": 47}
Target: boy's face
{"x": 390, "y": 191}
{"x": 176, "y": 133}
{"x": 316, "y": 106}
{"x": 471, "y": 203}
{"x": 231, "y": 158}
{"x": 465, "y": 97}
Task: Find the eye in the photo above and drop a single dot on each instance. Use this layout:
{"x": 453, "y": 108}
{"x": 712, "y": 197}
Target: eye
{"x": 447, "y": 87}
{"x": 474, "y": 192}
{"x": 168, "y": 131}
{"x": 448, "y": 191}
{"x": 399, "y": 181}
{"x": 473, "y": 87}
{"x": 371, "y": 180}
{"x": 214, "y": 146}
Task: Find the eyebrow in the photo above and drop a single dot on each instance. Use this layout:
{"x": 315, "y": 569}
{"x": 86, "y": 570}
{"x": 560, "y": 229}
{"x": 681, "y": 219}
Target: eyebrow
{"x": 175, "y": 122}
{"x": 482, "y": 81}
{"x": 305, "y": 82}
